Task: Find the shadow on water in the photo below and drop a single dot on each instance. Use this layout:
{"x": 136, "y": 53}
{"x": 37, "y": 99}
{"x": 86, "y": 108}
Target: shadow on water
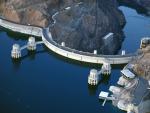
{"x": 92, "y": 90}
{"x": 104, "y": 79}
{"x": 28, "y": 54}
{"x": 16, "y": 63}
{"x": 32, "y": 54}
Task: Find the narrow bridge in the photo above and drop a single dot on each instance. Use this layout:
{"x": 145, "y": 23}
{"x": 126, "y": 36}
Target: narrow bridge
{"x": 26, "y": 46}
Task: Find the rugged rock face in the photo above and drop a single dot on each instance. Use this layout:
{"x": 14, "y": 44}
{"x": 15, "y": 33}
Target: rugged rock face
{"x": 142, "y": 65}
{"x": 142, "y": 6}
{"x": 24, "y": 11}
{"x": 143, "y": 3}
{"x": 82, "y": 27}
{"x": 35, "y": 12}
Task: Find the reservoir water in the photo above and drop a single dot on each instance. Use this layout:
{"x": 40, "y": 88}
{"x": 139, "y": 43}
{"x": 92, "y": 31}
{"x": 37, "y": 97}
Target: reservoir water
{"x": 43, "y": 82}
{"x": 137, "y": 26}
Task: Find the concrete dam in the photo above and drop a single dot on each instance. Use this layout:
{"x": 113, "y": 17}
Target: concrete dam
{"x": 66, "y": 51}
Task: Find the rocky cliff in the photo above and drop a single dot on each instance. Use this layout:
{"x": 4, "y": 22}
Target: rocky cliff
{"x": 142, "y": 6}
{"x": 142, "y": 65}
{"x": 144, "y": 3}
{"x": 82, "y": 27}
{"x": 35, "y": 12}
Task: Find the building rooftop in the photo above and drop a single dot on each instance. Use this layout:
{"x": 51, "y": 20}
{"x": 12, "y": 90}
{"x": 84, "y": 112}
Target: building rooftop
{"x": 103, "y": 94}
{"x": 127, "y": 73}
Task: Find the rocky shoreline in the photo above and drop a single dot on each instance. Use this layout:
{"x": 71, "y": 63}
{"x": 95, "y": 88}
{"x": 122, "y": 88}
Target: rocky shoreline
{"x": 133, "y": 92}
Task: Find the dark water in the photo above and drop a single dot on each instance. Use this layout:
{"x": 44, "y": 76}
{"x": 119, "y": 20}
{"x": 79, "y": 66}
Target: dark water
{"x": 43, "y": 82}
{"x": 137, "y": 26}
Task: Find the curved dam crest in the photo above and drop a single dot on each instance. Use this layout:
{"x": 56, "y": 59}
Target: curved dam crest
{"x": 65, "y": 51}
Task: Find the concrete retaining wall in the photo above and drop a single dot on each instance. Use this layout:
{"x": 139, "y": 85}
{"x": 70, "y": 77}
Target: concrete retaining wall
{"x": 83, "y": 56}
{"x": 64, "y": 51}
{"x": 30, "y": 30}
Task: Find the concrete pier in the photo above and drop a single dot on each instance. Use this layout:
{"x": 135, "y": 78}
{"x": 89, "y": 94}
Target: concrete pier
{"x": 31, "y": 45}
{"x": 93, "y": 77}
{"x": 105, "y": 96}
{"x": 106, "y": 69}
{"x": 16, "y": 51}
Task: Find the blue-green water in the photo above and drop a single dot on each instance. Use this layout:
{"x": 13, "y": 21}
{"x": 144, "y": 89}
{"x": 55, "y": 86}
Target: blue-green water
{"x": 46, "y": 83}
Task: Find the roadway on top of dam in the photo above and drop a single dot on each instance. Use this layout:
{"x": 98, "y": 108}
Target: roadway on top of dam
{"x": 66, "y": 51}
{"x": 49, "y": 38}
{"x": 84, "y": 56}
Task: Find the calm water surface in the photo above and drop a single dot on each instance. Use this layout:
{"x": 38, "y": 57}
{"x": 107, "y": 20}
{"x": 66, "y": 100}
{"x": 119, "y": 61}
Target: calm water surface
{"x": 42, "y": 82}
{"x": 137, "y": 26}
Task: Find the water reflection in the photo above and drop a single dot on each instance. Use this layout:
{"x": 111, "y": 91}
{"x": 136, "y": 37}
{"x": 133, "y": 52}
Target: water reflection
{"x": 30, "y": 54}
{"x": 16, "y": 63}
{"x": 92, "y": 90}
{"x": 105, "y": 79}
